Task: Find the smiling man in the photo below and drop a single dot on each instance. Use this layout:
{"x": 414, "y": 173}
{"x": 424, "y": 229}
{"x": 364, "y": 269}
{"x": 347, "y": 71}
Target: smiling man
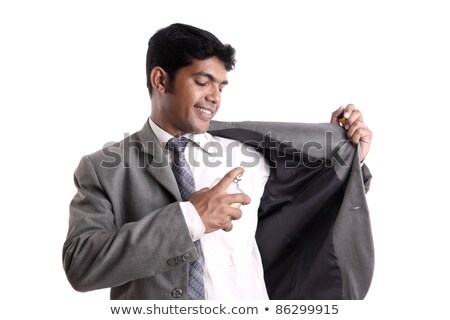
{"x": 162, "y": 231}
{"x": 188, "y": 103}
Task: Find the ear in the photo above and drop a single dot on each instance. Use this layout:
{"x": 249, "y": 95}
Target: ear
{"x": 159, "y": 79}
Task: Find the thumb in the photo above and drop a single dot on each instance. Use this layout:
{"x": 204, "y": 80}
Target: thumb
{"x": 335, "y": 115}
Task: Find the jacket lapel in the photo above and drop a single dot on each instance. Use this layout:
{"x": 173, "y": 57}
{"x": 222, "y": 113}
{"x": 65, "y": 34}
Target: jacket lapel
{"x": 158, "y": 164}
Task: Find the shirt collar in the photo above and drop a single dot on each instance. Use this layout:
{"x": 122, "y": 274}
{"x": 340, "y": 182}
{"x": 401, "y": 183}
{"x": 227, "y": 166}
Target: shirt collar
{"x": 199, "y": 139}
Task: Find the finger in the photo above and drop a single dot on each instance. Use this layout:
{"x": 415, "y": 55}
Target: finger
{"x": 348, "y": 110}
{"x": 226, "y": 221}
{"x": 225, "y": 182}
{"x": 356, "y": 115}
{"x": 362, "y": 134}
{"x": 233, "y": 214}
{"x": 336, "y": 114}
{"x": 241, "y": 198}
{"x": 355, "y": 126}
{"x": 230, "y": 216}
{"x": 228, "y": 227}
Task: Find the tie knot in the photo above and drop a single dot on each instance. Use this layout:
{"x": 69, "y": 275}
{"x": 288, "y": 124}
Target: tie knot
{"x": 178, "y": 144}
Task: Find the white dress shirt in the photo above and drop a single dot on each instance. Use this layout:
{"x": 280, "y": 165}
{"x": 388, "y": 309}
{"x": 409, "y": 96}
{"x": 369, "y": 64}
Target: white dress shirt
{"x": 233, "y": 267}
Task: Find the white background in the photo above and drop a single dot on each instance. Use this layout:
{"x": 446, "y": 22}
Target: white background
{"x": 72, "y": 77}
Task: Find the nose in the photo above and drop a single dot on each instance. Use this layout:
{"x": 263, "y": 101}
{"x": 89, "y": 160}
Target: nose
{"x": 214, "y": 94}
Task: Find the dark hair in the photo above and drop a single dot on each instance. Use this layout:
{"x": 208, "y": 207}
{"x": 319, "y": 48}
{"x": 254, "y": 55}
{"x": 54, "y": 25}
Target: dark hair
{"x": 178, "y": 45}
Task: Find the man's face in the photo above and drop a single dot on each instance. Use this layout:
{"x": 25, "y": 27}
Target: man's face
{"x": 193, "y": 98}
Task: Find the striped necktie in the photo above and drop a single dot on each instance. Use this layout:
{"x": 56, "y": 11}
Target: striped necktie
{"x": 186, "y": 185}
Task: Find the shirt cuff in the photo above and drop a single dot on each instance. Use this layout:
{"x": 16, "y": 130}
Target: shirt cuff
{"x": 194, "y": 222}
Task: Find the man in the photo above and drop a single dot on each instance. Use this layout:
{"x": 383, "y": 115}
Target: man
{"x": 146, "y": 222}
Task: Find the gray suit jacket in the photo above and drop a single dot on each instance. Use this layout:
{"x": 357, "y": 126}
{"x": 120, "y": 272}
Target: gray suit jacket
{"x": 127, "y": 231}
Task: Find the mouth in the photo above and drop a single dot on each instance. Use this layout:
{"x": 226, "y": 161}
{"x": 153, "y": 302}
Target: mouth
{"x": 204, "y": 113}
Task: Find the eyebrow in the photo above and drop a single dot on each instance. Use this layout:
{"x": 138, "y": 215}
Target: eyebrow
{"x": 210, "y": 77}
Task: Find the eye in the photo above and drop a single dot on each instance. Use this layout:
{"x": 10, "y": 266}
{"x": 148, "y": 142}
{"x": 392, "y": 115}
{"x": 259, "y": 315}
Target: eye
{"x": 201, "y": 84}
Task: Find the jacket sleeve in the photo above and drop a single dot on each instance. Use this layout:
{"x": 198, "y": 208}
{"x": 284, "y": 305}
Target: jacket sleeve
{"x": 97, "y": 254}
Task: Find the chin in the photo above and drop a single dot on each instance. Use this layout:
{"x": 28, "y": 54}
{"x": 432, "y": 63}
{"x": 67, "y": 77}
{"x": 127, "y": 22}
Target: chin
{"x": 198, "y": 131}
{"x": 202, "y": 128}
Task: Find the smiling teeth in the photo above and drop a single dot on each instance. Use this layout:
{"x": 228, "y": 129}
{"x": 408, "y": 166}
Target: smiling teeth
{"x": 203, "y": 110}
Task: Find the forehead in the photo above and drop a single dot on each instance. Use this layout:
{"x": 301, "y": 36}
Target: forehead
{"x": 212, "y": 66}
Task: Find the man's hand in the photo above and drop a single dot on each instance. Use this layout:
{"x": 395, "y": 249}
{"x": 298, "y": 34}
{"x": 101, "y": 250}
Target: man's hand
{"x": 213, "y": 205}
{"x": 357, "y": 131}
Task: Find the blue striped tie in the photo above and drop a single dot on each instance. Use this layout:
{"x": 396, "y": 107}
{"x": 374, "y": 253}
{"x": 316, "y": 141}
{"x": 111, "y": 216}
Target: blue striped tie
{"x": 186, "y": 184}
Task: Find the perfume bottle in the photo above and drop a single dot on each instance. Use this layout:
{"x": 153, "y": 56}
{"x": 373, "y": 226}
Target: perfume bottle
{"x": 232, "y": 188}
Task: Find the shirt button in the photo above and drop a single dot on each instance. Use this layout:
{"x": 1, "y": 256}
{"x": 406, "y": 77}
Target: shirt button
{"x": 177, "y": 293}
{"x": 178, "y": 260}
{"x": 171, "y": 262}
{"x": 185, "y": 256}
